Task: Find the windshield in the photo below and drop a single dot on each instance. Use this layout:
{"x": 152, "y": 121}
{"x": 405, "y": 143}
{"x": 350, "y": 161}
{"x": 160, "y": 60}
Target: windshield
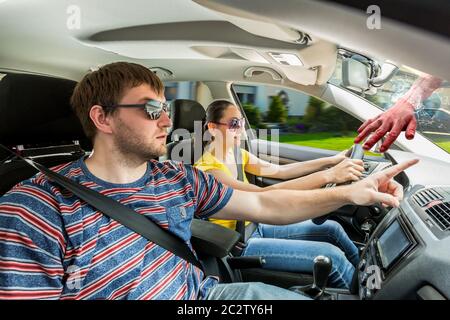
{"x": 433, "y": 114}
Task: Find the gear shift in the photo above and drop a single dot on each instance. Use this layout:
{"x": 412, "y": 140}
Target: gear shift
{"x": 321, "y": 271}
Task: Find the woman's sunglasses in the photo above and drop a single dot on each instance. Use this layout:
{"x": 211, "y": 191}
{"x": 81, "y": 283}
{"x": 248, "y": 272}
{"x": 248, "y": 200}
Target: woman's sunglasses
{"x": 234, "y": 123}
{"x": 154, "y": 108}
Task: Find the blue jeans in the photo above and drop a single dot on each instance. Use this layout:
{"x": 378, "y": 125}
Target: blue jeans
{"x": 251, "y": 291}
{"x": 293, "y": 248}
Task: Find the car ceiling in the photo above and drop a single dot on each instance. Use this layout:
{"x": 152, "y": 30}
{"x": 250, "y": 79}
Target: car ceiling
{"x": 193, "y": 42}
{"x": 398, "y": 40}
{"x": 185, "y": 37}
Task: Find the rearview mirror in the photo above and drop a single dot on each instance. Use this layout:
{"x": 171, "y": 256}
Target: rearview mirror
{"x": 364, "y": 75}
{"x": 355, "y": 75}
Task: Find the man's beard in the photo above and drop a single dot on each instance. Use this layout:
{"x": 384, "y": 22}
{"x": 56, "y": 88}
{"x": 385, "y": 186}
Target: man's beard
{"x": 135, "y": 147}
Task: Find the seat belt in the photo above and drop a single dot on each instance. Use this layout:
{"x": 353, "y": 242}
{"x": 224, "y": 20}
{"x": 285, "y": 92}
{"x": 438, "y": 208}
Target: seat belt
{"x": 121, "y": 213}
{"x": 244, "y": 231}
{"x": 240, "y": 225}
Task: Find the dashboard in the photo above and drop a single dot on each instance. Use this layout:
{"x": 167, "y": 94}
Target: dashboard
{"x": 408, "y": 254}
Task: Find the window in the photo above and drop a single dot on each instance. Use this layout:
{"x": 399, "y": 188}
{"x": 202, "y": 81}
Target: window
{"x": 179, "y": 90}
{"x": 299, "y": 118}
{"x": 246, "y": 94}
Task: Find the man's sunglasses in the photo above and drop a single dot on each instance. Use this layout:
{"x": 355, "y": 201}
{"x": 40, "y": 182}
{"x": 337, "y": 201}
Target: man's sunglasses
{"x": 154, "y": 108}
{"x": 234, "y": 123}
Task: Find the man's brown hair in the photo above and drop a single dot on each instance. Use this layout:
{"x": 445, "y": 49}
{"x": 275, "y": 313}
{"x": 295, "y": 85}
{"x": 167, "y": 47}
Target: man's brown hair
{"x": 106, "y": 86}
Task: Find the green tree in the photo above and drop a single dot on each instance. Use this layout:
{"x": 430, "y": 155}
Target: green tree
{"x": 277, "y": 111}
{"x": 253, "y": 114}
{"x": 322, "y": 118}
{"x": 336, "y": 120}
{"x": 313, "y": 110}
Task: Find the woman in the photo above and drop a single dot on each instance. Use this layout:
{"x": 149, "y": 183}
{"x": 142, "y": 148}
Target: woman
{"x": 291, "y": 247}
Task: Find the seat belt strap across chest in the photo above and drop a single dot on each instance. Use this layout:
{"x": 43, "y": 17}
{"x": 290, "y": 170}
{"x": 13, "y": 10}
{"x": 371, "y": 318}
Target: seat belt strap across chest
{"x": 240, "y": 225}
{"x": 121, "y": 213}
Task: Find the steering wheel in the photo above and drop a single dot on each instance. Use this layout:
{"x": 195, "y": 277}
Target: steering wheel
{"x": 355, "y": 152}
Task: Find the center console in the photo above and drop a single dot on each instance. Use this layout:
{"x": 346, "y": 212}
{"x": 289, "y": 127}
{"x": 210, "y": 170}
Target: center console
{"x": 391, "y": 244}
{"x": 405, "y": 257}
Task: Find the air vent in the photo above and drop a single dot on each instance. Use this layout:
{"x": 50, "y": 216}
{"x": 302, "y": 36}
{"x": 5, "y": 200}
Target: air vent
{"x": 441, "y": 215}
{"x": 426, "y": 196}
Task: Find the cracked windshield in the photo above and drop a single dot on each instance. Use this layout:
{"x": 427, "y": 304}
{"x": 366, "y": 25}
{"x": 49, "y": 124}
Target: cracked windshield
{"x": 307, "y": 121}
{"x": 432, "y": 105}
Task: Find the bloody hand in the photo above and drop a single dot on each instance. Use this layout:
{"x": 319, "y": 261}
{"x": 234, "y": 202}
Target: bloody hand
{"x": 395, "y": 120}
{"x": 400, "y": 117}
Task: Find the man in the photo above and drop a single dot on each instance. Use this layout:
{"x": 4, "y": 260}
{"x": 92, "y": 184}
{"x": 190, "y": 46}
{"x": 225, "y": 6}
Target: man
{"x": 400, "y": 117}
{"x": 54, "y": 246}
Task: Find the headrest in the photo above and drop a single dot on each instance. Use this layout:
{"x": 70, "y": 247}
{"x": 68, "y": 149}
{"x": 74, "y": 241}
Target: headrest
{"x": 36, "y": 109}
{"x": 185, "y": 112}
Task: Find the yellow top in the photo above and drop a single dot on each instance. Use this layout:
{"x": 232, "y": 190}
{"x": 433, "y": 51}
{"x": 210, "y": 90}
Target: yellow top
{"x": 209, "y": 162}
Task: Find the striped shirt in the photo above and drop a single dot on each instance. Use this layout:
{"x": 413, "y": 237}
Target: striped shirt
{"x": 55, "y": 246}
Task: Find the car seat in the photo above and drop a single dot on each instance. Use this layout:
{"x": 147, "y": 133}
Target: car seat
{"x": 187, "y": 118}
{"x": 36, "y": 121}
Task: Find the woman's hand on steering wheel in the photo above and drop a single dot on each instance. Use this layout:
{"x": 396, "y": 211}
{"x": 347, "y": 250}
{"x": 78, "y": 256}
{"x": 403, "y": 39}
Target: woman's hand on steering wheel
{"x": 348, "y": 170}
{"x": 338, "y": 158}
